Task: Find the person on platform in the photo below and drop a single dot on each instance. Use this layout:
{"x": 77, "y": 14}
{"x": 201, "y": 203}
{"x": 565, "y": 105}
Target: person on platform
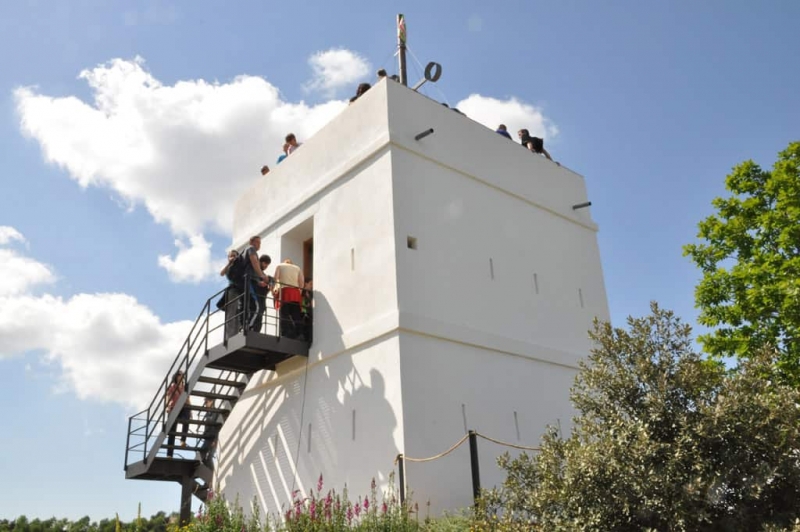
{"x": 262, "y": 289}
{"x": 307, "y": 309}
{"x": 288, "y": 283}
{"x": 257, "y": 278}
{"x": 231, "y": 300}
{"x": 174, "y": 392}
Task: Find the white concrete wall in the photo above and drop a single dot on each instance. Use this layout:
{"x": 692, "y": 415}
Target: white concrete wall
{"x": 449, "y": 388}
{"x": 437, "y": 325}
{"x": 259, "y": 442}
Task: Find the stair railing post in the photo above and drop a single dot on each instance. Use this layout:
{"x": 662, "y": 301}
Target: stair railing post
{"x": 401, "y": 477}
{"x": 474, "y": 466}
{"x": 208, "y": 319}
{"x": 246, "y": 303}
{"x": 128, "y": 443}
{"x": 146, "y": 434}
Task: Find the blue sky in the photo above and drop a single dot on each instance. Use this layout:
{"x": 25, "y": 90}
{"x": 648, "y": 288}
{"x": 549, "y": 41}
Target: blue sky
{"x": 653, "y": 102}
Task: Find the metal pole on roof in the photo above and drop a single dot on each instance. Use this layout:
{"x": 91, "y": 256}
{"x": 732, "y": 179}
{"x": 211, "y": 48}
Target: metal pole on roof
{"x": 401, "y": 43}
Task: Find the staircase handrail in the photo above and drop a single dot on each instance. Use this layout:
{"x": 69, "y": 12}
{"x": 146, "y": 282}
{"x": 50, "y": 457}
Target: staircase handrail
{"x": 155, "y": 413}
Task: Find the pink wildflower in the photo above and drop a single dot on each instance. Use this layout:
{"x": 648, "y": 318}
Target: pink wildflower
{"x": 349, "y": 514}
{"x": 288, "y": 515}
{"x": 384, "y": 508}
{"x": 357, "y": 509}
{"x": 366, "y": 504}
{"x": 319, "y": 483}
{"x": 372, "y": 485}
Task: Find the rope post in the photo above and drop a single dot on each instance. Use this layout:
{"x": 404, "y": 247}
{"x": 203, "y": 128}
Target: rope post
{"x": 474, "y": 466}
{"x": 401, "y": 477}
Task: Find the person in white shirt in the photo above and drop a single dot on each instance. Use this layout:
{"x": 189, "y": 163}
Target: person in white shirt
{"x": 288, "y": 292}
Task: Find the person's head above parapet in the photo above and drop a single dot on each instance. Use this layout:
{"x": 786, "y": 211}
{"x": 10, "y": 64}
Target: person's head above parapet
{"x": 502, "y": 127}
{"x": 291, "y": 140}
{"x": 362, "y": 88}
{"x": 264, "y": 170}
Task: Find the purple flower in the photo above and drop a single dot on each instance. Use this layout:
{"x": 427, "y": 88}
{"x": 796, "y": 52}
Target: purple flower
{"x": 366, "y": 504}
{"x": 319, "y": 483}
{"x": 349, "y": 514}
{"x": 384, "y": 508}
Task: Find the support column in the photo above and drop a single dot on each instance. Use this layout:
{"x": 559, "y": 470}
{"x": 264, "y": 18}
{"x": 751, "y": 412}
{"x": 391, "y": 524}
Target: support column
{"x": 186, "y": 501}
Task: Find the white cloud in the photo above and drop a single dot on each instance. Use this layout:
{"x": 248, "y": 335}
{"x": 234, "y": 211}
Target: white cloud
{"x": 193, "y": 263}
{"x": 336, "y": 68}
{"x": 9, "y": 234}
{"x": 109, "y": 347}
{"x": 515, "y": 114}
{"x": 18, "y": 273}
{"x": 185, "y": 151}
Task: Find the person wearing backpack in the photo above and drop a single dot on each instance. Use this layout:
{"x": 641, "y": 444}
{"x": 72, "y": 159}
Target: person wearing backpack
{"x": 232, "y": 299}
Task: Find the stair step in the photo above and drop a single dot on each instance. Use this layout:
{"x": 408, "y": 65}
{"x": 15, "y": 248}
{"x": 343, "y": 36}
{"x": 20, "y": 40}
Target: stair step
{"x": 212, "y": 395}
{"x": 202, "y": 422}
{"x": 210, "y": 435}
{"x": 179, "y": 447}
{"x": 222, "y": 382}
{"x": 198, "y": 408}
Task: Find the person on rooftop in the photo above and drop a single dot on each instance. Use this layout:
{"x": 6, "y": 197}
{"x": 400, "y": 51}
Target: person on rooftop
{"x": 502, "y": 130}
{"x": 291, "y": 144}
{"x": 362, "y": 88}
{"x": 534, "y": 144}
{"x": 264, "y": 170}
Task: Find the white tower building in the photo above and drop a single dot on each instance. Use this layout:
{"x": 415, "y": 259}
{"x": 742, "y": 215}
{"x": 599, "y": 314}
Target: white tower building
{"x": 454, "y": 287}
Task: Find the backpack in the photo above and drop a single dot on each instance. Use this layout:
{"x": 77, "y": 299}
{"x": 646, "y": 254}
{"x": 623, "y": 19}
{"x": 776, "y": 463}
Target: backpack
{"x": 237, "y": 271}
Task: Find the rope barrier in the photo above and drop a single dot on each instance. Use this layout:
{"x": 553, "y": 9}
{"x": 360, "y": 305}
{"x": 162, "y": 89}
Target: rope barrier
{"x": 459, "y": 442}
{"x": 523, "y": 447}
{"x": 440, "y": 455}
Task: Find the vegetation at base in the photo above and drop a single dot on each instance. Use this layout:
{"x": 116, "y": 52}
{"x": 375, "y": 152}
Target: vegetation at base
{"x": 157, "y": 523}
{"x": 664, "y": 440}
{"x": 324, "y": 512}
{"x": 749, "y": 255}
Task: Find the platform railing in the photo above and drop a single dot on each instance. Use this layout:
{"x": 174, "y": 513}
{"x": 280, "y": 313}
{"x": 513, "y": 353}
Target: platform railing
{"x": 223, "y": 315}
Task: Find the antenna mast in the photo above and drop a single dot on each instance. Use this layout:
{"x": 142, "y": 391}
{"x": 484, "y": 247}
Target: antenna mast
{"x": 401, "y": 43}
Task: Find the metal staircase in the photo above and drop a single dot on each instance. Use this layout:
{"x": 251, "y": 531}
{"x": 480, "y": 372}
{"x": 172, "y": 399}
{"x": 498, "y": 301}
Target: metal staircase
{"x": 218, "y": 359}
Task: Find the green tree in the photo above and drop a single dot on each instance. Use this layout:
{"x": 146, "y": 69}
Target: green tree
{"x": 749, "y": 256}
{"x": 664, "y": 440}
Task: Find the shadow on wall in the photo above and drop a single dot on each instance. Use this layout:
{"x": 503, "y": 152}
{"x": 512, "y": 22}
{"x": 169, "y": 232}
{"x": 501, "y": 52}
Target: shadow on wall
{"x": 344, "y": 431}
